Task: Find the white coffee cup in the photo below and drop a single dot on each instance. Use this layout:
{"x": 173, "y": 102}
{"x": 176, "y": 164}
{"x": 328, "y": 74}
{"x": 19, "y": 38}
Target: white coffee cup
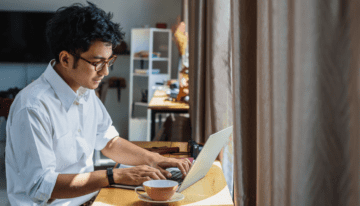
{"x": 159, "y": 190}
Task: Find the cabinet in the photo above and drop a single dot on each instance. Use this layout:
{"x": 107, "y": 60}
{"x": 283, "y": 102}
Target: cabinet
{"x": 150, "y": 65}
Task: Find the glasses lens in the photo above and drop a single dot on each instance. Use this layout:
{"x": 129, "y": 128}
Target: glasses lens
{"x": 111, "y": 62}
{"x": 100, "y": 66}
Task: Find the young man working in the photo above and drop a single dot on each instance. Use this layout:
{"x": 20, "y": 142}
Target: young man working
{"x": 56, "y": 122}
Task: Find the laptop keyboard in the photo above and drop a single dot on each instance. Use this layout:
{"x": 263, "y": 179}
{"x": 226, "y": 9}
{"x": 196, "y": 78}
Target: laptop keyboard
{"x": 176, "y": 176}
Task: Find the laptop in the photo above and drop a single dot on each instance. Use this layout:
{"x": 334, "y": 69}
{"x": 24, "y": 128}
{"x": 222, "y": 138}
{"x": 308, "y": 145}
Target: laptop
{"x": 203, "y": 162}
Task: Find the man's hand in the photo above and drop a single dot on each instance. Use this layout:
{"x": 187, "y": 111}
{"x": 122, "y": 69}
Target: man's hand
{"x": 125, "y": 152}
{"x": 137, "y": 175}
{"x": 183, "y": 164}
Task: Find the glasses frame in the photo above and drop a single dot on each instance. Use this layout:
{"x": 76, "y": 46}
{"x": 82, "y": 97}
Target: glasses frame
{"x": 95, "y": 64}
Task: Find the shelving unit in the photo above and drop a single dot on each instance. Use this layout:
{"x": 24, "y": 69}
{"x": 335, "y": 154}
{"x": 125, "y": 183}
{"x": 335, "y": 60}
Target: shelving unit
{"x": 151, "y": 40}
{"x": 153, "y": 59}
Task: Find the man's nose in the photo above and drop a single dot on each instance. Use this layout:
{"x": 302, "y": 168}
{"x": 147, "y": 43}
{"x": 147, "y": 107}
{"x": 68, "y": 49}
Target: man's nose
{"x": 105, "y": 69}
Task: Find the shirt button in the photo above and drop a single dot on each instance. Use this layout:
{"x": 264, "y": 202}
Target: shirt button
{"x": 79, "y": 130}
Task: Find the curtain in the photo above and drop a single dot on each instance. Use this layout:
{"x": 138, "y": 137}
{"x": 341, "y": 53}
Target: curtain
{"x": 308, "y": 107}
{"x": 210, "y": 74}
{"x": 243, "y": 38}
{"x": 307, "y": 101}
{"x": 293, "y": 75}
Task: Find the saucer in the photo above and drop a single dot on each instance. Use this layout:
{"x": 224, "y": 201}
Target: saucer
{"x": 176, "y": 197}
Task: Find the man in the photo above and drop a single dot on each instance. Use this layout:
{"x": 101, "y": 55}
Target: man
{"x": 56, "y": 122}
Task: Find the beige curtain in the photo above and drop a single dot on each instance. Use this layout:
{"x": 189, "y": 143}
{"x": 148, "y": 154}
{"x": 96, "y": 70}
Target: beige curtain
{"x": 210, "y": 74}
{"x": 307, "y": 97}
{"x": 243, "y": 38}
{"x": 308, "y": 107}
{"x": 295, "y": 92}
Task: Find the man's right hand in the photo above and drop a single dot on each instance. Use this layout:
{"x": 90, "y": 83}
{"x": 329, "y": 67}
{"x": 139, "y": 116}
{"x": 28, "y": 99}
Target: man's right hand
{"x": 136, "y": 175}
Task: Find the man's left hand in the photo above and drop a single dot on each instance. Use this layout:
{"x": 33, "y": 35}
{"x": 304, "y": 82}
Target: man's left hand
{"x": 183, "y": 164}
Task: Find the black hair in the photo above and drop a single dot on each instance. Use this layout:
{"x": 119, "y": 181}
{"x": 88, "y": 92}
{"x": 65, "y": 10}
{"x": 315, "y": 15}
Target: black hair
{"x": 76, "y": 27}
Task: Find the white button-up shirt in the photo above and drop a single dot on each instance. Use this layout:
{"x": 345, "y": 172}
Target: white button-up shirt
{"x": 52, "y": 130}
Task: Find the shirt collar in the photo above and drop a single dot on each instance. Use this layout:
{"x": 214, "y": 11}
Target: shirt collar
{"x": 82, "y": 94}
{"x": 66, "y": 95}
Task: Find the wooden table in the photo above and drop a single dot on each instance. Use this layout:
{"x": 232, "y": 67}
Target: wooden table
{"x": 211, "y": 190}
{"x": 159, "y": 104}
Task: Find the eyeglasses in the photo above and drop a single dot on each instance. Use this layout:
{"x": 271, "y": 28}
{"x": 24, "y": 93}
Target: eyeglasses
{"x": 98, "y": 65}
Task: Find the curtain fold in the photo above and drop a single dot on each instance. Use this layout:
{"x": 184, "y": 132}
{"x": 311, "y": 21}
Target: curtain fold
{"x": 243, "y": 38}
{"x": 294, "y": 73}
{"x": 197, "y": 72}
{"x": 308, "y": 107}
{"x": 210, "y": 74}
{"x": 354, "y": 101}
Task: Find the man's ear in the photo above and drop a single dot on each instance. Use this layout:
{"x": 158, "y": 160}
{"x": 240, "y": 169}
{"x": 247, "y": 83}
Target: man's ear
{"x": 65, "y": 59}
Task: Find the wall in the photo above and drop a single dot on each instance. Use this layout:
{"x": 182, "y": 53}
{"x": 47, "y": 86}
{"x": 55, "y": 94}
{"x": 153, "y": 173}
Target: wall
{"x": 130, "y": 14}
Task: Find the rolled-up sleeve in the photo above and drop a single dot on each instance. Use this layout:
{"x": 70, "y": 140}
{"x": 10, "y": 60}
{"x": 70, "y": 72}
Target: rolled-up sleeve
{"x": 104, "y": 137}
{"x": 105, "y": 130}
{"x": 33, "y": 155}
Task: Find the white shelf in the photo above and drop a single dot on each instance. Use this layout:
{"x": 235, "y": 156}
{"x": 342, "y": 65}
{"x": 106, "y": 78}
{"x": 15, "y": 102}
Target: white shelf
{"x": 148, "y": 39}
{"x": 144, "y": 104}
{"x": 140, "y": 75}
{"x": 146, "y": 75}
{"x": 139, "y": 118}
{"x": 151, "y": 29}
{"x": 154, "y": 58}
{"x": 160, "y": 59}
{"x": 163, "y": 119}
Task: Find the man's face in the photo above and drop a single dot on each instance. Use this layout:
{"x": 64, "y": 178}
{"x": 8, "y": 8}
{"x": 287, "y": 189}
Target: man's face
{"x": 84, "y": 74}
